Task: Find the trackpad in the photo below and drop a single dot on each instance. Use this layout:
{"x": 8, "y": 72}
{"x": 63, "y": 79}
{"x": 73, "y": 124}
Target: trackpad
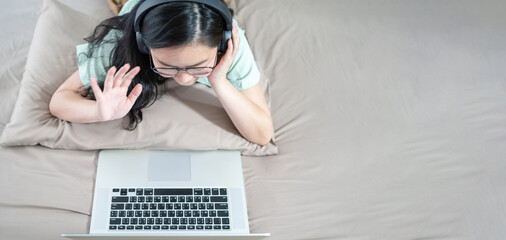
{"x": 167, "y": 166}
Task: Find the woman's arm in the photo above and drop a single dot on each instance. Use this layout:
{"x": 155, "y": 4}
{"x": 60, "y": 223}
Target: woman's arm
{"x": 247, "y": 109}
{"x": 111, "y": 103}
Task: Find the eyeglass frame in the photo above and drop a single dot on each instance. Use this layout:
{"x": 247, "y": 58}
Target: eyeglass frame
{"x": 155, "y": 69}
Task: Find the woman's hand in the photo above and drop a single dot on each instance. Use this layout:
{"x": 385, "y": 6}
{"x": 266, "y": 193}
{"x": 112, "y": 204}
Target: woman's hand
{"x": 113, "y": 103}
{"x": 220, "y": 71}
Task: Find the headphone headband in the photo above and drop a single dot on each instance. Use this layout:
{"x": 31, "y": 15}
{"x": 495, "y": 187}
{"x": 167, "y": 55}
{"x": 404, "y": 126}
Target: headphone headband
{"x": 217, "y": 5}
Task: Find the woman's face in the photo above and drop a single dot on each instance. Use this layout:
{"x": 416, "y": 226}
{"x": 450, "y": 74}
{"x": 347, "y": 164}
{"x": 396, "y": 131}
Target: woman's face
{"x": 189, "y": 56}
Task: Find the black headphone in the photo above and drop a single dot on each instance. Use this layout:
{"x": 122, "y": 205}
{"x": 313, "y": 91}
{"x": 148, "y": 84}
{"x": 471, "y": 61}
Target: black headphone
{"x": 217, "y": 5}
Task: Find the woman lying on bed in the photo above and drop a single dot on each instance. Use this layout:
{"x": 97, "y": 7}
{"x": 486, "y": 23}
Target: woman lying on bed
{"x": 177, "y": 40}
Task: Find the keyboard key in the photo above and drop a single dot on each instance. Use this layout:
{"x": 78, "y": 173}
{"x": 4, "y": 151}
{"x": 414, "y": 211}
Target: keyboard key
{"x": 156, "y": 227}
{"x": 175, "y": 221}
{"x": 142, "y": 221}
{"x": 131, "y": 190}
{"x": 114, "y": 221}
{"x": 158, "y": 199}
{"x": 191, "y": 227}
{"x": 125, "y": 221}
{"x": 186, "y": 206}
{"x": 179, "y": 213}
{"x": 173, "y": 227}
{"x": 139, "y": 191}
{"x": 152, "y": 206}
{"x": 138, "y": 213}
{"x": 209, "y": 227}
{"x": 207, "y": 191}
{"x": 159, "y": 221}
{"x": 137, "y": 206}
{"x": 217, "y": 220}
{"x": 124, "y": 191}
{"x": 145, "y": 206}
{"x": 128, "y": 206}
{"x": 219, "y": 199}
{"x": 198, "y": 199}
{"x": 221, "y": 206}
{"x": 187, "y": 213}
{"x": 200, "y": 221}
{"x": 169, "y": 206}
{"x": 193, "y": 206}
{"x": 222, "y": 213}
{"x": 225, "y": 221}
{"x": 173, "y": 199}
{"x": 141, "y": 199}
{"x": 210, "y": 206}
{"x": 150, "y": 221}
{"x": 114, "y": 214}
{"x": 149, "y": 199}
{"x": 204, "y": 213}
{"x": 122, "y": 214}
{"x": 115, "y": 190}
{"x": 196, "y": 213}
{"x": 192, "y": 220}
{"x": 197, "y": 191}
{"x": 226, "y": 227}
{"x": 130, "y": 227}
{"x": 147, "y": 227}
{"x": 148, "y": 191}
{"x": 223, "y": 191}
{"x": 217, "y": 227}
{"x": 165, "y": 227}
{"x": 182, "y": 227}
{"x": 166, "y": 221}
{"x": 202, "y": 206}
{"x": 146, "y": 214}
{"x": 117, "y": 206}
{"x": 165, "y": 199}
{"x": 138, "y": 227}
{"x": 113, "y": 227}
{"x": 133, "y": 221}
{"x": 212, "y": 213}
{"x": 189, "y": 199}
{"x": 120, "y": 199}
{"x": 173, "y": 191}
{"x": 200, "y": 227}
{"x": 180, "y": 199}
{"x": 215, "y": 191}
{"x": 183, "y": 221}
{"x": 163, "y": 213}
{"x": 209, "y": 221}
{"x": 205, "y": 199}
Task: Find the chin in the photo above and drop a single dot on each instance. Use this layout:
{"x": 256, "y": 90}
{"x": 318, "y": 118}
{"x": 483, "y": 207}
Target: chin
{"x": 188, "y": 83}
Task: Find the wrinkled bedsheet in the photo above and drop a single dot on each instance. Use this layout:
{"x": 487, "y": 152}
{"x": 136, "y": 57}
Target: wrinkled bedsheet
{"x": 390, "y": 118}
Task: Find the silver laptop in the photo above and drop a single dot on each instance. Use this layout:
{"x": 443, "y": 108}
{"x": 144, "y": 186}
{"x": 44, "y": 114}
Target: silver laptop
{"x": 141, "y": 194}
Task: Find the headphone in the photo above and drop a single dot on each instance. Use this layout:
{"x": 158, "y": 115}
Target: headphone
{"x": 217, "y": 5}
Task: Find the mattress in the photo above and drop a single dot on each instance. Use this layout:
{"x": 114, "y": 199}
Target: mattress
{"x": 389, "y": 118}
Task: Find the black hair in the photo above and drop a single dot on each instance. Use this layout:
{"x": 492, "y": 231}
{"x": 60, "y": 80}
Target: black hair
{"x": 166, "y": 25}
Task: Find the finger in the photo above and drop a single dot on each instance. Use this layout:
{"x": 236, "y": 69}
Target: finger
{"x": 134, "y": 94}
{"x": 236, "y": 39}
{"x": 109, "y": 79}
{"x": 129, "y": 76}
{"x": 96, "y": 89}
{"x": 118, "y": 78}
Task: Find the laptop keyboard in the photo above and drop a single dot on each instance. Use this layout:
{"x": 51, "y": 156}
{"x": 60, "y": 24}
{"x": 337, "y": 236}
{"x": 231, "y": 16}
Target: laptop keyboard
{"x": 167, "y": 209}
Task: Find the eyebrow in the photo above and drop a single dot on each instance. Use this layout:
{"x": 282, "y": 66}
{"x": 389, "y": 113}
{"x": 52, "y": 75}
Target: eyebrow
{"x": 194, "y": 65}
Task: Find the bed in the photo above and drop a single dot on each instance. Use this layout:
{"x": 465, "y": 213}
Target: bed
{"x": 389, "y": 119}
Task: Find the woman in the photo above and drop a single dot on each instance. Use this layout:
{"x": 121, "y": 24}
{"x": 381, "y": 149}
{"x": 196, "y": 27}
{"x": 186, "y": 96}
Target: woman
{"x": 181, "y": 40}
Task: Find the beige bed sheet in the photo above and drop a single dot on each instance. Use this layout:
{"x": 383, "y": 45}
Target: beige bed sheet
{"x": 390, "y": 119}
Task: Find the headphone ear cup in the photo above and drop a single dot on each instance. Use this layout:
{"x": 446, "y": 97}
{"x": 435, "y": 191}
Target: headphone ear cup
{"x": 140, "y": 43}
{"x": 222, "y": 48}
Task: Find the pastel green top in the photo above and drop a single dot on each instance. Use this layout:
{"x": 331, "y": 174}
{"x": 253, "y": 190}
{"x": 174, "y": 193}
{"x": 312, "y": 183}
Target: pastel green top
{"x": 243, "y": 72}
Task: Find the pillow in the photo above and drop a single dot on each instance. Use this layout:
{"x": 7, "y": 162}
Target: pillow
{"x": 184, "y": 118}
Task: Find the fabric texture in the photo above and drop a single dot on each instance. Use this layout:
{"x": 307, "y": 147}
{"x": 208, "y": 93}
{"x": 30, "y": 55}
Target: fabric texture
{"x": 184, "y": 118}
{"x": 243, "y": 72}
{"x": 389, "y": 116}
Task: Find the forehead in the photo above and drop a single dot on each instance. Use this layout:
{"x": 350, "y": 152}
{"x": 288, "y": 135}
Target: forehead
{"x": 183, "y": 56}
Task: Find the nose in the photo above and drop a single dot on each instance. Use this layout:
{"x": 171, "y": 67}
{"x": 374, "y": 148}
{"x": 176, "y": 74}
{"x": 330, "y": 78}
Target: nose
{"x": 183, "y": 76}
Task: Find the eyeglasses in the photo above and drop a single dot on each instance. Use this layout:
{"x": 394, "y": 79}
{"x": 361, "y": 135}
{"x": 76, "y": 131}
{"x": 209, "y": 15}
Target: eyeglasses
{"x": 194, "y": 71}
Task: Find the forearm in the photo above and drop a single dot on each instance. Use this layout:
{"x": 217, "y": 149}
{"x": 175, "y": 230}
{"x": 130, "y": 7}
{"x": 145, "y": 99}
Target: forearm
{"x": 253, "y": 122}
{"x": 71, "y": 106}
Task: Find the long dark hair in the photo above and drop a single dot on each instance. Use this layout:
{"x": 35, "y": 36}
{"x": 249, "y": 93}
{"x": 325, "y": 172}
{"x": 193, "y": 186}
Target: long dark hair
{"x": 166, "y": 25}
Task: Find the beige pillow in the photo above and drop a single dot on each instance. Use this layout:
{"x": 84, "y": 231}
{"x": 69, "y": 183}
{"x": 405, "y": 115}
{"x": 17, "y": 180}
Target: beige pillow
{"x": 184, "y": 118}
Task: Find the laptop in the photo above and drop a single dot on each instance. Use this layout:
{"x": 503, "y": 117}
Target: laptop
{"x": 148, "y": 194}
